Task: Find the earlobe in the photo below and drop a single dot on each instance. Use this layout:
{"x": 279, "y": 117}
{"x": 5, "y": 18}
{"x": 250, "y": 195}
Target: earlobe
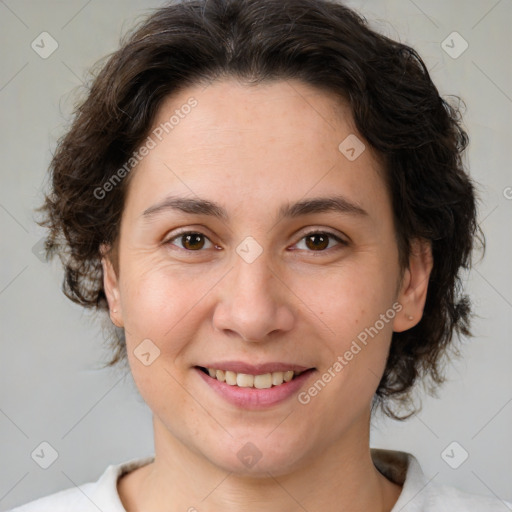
{"x": 111, "y": 287}
{"x": 413, "y": 292}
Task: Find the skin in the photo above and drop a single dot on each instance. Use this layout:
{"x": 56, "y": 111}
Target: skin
{"x": 252, "y": 149}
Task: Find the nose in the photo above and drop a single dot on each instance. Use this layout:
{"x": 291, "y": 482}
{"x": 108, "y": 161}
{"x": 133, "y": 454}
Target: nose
{"x": 254, "y": 302}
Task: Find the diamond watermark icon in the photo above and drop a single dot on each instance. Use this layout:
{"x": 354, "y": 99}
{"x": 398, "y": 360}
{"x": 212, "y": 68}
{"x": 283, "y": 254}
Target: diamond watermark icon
{"x": 454, "y": 45}
{"x": 249, "y": 249}
{"x": 44, "y": 455}
{"x": 351, "y": 147}
{"x": 39, "y": 251}
{"x": 454, "y": 455}
{"x": 249, "y": 454}
{"x": 44, "y": 45}
{"x": 146, "y": 352}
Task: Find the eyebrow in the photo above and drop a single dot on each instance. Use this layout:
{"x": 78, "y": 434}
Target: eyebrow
{"x": 200, "y": 206}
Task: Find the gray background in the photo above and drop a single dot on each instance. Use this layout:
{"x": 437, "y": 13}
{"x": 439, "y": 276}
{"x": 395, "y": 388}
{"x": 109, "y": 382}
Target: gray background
{"x": 50, "y": 387}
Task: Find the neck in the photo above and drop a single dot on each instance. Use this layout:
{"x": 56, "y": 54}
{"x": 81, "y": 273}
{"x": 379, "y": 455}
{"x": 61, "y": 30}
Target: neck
{"x": 343, "y": 477}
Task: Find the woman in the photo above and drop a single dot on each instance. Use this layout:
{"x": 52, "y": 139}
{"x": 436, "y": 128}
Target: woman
{"x": 268, "y": 199}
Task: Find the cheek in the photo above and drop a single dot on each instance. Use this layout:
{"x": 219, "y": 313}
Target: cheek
{"x": 349, "y": 298}
{"x": 355, "y": 305}
{"x": 161, "y": 301}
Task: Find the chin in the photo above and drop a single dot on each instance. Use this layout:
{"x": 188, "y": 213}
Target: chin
{"x": 258, "y": 456}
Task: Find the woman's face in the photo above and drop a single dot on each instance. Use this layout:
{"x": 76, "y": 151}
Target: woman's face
{"x": 251, "y": 172}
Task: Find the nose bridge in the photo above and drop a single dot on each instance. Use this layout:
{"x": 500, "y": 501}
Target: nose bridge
{"x": 253, "y": 281}
{"x": 253, "y": 305}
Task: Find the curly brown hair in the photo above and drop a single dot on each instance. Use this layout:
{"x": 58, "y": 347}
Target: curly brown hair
{"x": 395, "y": 106}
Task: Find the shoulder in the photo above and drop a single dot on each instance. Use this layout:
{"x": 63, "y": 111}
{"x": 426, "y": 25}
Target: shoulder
{"x": 88, "y": 497}
{"x": 441, "y": 498}
{"x": 422, "y": 494}
{"x": 63, "y": 501}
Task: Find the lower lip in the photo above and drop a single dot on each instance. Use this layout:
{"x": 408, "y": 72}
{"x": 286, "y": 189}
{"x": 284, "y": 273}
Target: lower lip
{"x": 252, "y": 398}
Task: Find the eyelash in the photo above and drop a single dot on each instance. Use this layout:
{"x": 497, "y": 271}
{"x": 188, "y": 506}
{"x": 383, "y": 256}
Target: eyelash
{"x": 181, "y": 234}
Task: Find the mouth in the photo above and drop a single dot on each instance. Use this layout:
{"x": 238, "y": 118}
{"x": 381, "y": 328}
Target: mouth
{"x": 265, "y": 380}
{"x": 254, "y": 386}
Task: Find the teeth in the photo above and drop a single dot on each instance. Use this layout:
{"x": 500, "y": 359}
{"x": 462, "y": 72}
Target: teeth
{"x": 230, "y": 378}
{"x": 263, "y": 381}
{"x": 244, "y": 380}
{"x": 288, "y": 376}
{"x": 277, "y": 378}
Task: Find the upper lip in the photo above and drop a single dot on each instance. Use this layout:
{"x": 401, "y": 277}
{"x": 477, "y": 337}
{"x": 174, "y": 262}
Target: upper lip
{"x": 254, "y": 369}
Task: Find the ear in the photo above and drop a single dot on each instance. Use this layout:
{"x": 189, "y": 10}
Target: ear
{"x": 111, "y": 287}
{"x": 414, "y": 286}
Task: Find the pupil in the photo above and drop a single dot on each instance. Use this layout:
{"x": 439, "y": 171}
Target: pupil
{"x": 323, "y": 241}
{"x": 191, "y": 240}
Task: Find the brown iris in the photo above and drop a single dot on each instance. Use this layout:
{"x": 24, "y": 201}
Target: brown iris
{"x": 317, "y": 241}
{"x": 193, "y": 241}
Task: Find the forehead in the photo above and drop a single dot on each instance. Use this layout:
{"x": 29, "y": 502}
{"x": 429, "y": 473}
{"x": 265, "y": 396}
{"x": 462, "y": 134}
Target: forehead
{"x": 276, "y": 139}
{"x": 285, "y": 111}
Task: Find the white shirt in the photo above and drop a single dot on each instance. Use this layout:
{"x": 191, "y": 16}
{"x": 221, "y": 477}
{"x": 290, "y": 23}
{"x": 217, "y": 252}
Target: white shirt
{"x": 419, "y": 494}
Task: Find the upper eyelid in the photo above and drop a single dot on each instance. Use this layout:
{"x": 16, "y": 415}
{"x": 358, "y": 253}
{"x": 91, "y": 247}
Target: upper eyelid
{"x": 186, "y": 231}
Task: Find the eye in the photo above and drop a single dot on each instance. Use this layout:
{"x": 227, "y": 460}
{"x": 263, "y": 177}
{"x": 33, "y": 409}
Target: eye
{"x": 319, "y": 241}
{"x": 191, "y": 241}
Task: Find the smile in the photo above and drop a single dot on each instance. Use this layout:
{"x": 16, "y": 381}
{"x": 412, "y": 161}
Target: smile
{"x": 267, "y": 386}
{"x": 245, "y": 380}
